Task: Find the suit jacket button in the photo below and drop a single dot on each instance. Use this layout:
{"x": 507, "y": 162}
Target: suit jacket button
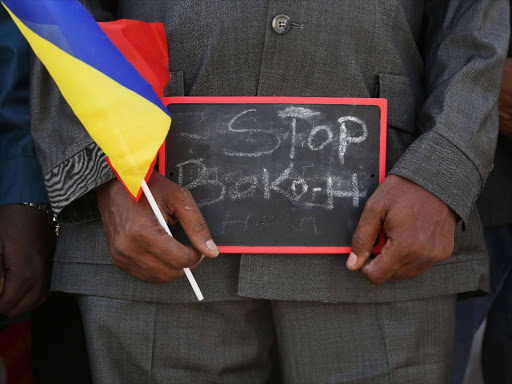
{"x": 281, "y": 24}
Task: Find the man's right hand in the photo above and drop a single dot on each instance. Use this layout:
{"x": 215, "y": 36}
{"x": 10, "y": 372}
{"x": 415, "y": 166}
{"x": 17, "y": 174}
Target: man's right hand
{"x": 139, "y": 245}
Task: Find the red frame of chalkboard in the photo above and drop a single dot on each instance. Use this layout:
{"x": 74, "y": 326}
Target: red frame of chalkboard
{"x": 381, "y": 103}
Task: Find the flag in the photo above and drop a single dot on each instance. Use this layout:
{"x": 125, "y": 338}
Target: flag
{"x": 116, "y": 105}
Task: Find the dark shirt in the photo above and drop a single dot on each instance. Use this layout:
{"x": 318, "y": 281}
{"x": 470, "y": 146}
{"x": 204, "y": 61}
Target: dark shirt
{"x": 20, "y": 174}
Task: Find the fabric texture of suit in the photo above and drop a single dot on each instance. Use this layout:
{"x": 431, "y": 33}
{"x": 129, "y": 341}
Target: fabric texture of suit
{"x": 439, "y": 64}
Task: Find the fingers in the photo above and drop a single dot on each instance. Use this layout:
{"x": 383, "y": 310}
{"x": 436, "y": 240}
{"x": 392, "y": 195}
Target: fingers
{"x": 409, "y": 270}
{"x": 15, "y": 290}
{"x": 150, "y": 268}
{"x": 401, "y": 260}
{"x": 29, "y": 302}
{"x": 23, "y": 292}
{"x": 365, "y": 235}
{"x": 147, "y": 247}
{"x": 385, "y": 265}
{"x": 172, "y": 252}
{"x": 422, "y": 264}
{"x": 192, "y": 221}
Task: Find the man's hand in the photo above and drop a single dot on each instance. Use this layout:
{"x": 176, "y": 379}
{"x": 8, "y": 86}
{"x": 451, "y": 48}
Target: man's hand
{"x": 419, "y": 228}
{"x": 27, "y": 240}
{"x": 139, "y": 245}
{"x": 505, "y": 101}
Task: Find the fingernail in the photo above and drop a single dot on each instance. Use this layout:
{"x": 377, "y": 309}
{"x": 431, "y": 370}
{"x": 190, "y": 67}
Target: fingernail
{"x": 212, "y": 247}
{"x": 352, "y": 260}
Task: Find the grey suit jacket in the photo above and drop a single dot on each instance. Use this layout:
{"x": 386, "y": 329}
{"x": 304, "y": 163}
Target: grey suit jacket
{"x": 439, "y": 64}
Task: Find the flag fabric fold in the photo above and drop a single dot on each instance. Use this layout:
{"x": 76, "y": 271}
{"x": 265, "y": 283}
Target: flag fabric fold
{"x": 118, "y": 107}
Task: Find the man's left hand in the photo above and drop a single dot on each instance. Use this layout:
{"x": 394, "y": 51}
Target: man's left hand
{"x": 419, "y": 231}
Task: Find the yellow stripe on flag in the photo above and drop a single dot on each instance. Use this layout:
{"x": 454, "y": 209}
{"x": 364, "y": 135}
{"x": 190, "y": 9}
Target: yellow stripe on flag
{"x": 126, "y": 126}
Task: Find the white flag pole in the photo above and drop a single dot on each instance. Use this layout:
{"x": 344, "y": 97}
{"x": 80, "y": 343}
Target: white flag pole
{"x": 163, "y": 223}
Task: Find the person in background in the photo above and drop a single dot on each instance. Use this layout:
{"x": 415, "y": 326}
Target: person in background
{"x": 495, "y": 207}
{"x": 27, "y": 237}
{"x": 26, "y": 224}
{"x": 26, "y": 221}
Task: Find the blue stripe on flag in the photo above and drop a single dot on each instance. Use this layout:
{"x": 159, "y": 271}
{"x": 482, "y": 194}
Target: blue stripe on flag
{"x": 69, "y": 26}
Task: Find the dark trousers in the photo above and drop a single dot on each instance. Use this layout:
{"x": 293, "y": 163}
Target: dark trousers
{"x": 497, "y": 308}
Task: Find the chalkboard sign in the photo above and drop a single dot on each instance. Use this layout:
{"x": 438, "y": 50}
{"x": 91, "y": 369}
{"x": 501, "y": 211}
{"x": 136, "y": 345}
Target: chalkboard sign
{"x": 274, "y": 174}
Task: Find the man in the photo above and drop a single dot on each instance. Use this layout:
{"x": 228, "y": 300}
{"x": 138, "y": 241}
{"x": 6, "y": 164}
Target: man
{"x": 438, "y": 63}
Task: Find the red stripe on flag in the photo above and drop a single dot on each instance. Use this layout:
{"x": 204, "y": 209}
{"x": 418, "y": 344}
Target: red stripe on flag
{"x": 145, "y": 46}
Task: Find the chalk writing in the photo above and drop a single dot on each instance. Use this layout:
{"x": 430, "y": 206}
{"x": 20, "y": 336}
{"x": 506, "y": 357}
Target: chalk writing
{"x": 250, "y": 222}
{"x": 266, "y": 136}
{"x": 313, "y": 137}
{"x": 288, "y": 184}
{"x": 202, "y": 177}
{"x": 346, "y": 139}
{"x": 296, "y": 113}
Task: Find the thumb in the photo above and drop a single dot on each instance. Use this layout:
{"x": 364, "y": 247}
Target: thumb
{"x": 365, "y": 235}
{"x": 194, "y": 225}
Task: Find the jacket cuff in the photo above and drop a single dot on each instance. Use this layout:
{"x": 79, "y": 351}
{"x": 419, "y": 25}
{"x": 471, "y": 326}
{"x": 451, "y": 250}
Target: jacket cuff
{"x": 441, "y": 168}
{"x": 21, "y": 181}
{"x": 76, "y": 176}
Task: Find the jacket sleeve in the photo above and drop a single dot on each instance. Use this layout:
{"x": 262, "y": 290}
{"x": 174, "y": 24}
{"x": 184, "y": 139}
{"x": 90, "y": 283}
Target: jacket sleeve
{"x": 71, "y": 161}
{"x": 464, "y": 49}
{"x": 21, "y": 179}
